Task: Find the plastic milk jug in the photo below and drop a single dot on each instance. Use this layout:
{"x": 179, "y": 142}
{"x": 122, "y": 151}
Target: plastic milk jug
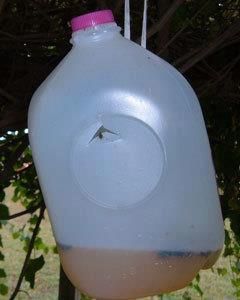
{"x": 124, "y": 163}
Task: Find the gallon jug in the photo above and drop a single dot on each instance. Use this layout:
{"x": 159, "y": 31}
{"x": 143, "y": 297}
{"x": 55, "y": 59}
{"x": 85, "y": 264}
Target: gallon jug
{"x": 124, "y": 163}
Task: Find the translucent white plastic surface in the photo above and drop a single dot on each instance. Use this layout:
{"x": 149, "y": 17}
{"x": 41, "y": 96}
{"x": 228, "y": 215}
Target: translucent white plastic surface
{"x": 124, "y": 163}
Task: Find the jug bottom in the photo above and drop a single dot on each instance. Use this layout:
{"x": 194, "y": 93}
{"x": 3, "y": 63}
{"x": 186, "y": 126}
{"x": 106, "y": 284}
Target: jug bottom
{"x": 129, "y": 274}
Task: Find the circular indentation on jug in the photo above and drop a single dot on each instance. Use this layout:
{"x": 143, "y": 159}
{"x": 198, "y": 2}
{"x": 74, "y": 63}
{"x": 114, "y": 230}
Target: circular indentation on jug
{"x": 118, "y": 161}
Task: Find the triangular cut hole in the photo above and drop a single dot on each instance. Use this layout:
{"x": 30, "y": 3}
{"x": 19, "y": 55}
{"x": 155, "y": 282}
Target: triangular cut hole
{"x": 100, "y": 133}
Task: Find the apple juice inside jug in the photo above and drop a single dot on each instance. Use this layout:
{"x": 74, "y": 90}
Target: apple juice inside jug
{"x": 128, "y": 274}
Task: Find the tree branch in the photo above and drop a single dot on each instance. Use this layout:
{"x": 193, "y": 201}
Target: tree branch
{"x": 183, "y": 28}
{"x": 24, "y": 212}
{"x": 209, "y": 70}
{"x": 12, "y": 119}
{"x": 186, "y": 57}
{"x": 222, "y": 75}
{"x": 42, "y": 37}
{"x": 117, "y": 6}
{"x": 66, "y": 289}
{"x": 8, "y": 96}
{"x": 101, "y": 3}
{"x": 163, "y": 35}
{"x": 165, "y": 19}
{"x": 24, "y": 167}
{"x": 211, "y": 47}
{"x": 2, "y": 3}
{"x": 30, "y": 248}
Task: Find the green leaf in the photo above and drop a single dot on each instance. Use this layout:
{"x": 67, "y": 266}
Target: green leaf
{"x": 234, "y": 269}
{"x": 2, "y": 195}
{"x": 238, "y": 265}
{"x": 198, "y": 289}
{"x": 227, "y": 240}
{"x": 34, "y": 265}
{"x": 55, "y": 250}
{"x": 186, "y": 296}
{"x": 228, "y": 252}
{"x": 235, "y": 224}
{"x": 237, "y": 293}
{"x": 85, "y": 297}
{"x": 33, "y": 219}
{"x": 222, "y": 271}
{"x": 40, "y": 245}
{"x": 3, "y": 289}
{"x": 46, "y": 250}
{"x": 4, "y": 212}
{"x": 26, "y": 240}
{"x": 1, "y": 256}
{"x": 1, "y": 244}
{"x": 2, "y": 273}
{"x": 236, "y": 282}
{"x": 15, "y": 235}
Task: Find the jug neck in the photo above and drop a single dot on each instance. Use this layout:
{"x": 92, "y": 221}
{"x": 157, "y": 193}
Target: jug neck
{"x": 95, "y": 33}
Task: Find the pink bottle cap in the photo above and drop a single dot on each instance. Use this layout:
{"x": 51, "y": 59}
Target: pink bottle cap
{"x": 92, "y": 19}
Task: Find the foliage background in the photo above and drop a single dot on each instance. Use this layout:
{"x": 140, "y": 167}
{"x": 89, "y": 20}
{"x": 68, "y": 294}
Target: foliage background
{"x": 200, "y": 38}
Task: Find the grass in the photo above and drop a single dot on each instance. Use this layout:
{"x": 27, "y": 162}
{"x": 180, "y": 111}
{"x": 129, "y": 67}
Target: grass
{"x": 215, "y": 287}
